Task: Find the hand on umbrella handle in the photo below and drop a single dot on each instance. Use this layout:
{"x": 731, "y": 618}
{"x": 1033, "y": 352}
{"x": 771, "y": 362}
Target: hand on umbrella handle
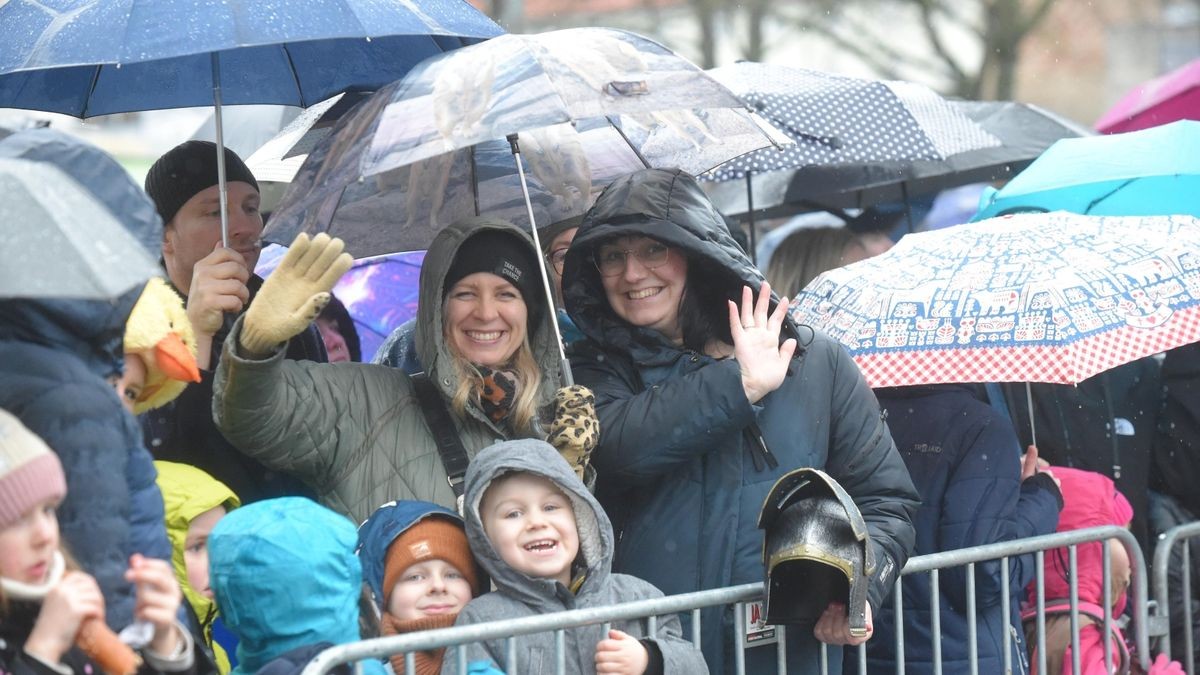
{"x": 294, "y": 294}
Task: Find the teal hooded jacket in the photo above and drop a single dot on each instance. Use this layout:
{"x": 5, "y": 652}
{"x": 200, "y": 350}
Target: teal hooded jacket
{"x": 285, "y": 576}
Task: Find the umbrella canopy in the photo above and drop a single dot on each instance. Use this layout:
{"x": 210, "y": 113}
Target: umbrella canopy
{"x": 380, "y": 293}
{"x": 1024, "y": 132}
{"x": 97, "y": 57}
{"x": 1165, "y": 99}
{"x": 1151, "y": 172}
{"x": 842, "y": 120}
{"x": 58, "y": 241}
{"x": 585, "y": 105}
{"x": 1046, "y": 297}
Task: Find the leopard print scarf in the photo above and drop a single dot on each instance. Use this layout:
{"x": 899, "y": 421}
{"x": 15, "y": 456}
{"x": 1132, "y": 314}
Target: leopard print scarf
{"x": 497, "y": 392}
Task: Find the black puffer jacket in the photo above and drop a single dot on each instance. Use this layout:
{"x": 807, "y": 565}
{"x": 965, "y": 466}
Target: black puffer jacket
{"x": 676, "y": 470}
{"x": 1105, "y": 424}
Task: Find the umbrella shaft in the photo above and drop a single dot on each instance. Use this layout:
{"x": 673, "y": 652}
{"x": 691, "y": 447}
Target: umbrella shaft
{"x": 216, "y": 76}
{"x": 564, "y": 366}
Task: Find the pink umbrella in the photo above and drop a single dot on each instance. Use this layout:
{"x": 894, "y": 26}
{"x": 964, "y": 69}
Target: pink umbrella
{"x": 1170, "y": 97}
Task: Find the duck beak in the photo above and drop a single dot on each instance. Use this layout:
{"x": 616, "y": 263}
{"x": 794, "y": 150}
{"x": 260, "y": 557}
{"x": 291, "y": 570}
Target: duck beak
{"x": 175, "y": 360}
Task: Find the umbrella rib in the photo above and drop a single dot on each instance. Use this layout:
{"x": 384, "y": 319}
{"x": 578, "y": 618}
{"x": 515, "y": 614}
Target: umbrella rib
{"x": 87, "y": 99}
{"x": 474, "y": 180}
{"x": 1106, "y": 195}
{"x": 628, "y": 142}
{"x": 295, "y": 75}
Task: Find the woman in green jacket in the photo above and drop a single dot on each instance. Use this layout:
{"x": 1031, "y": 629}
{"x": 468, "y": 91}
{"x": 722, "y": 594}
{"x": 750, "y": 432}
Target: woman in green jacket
{"x": 356, "y": 433}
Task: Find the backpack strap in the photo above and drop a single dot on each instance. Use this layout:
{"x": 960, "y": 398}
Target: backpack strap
{"x": 449, "y": 445}
{"x": 1058, "y": 607}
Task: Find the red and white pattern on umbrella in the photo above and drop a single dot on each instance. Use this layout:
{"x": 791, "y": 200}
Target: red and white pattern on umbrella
{"x": 1066, "y": 364}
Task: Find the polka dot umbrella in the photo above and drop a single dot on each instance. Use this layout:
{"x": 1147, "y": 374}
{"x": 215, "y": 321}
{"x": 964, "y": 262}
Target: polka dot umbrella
{"x": 843, "y": 120}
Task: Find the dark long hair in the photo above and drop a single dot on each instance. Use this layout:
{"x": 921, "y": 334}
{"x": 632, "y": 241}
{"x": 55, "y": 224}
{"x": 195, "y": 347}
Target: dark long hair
{"x": 336, "y": 312}
{"x": 704, "y": 310}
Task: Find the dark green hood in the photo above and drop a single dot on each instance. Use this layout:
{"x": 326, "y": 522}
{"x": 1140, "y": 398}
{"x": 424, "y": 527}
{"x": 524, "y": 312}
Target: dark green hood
{"x": 670, "y": 206}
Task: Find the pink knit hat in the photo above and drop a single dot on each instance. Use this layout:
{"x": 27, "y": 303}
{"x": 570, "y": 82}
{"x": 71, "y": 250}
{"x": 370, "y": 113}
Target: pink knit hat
{"x": 30, "y": 472}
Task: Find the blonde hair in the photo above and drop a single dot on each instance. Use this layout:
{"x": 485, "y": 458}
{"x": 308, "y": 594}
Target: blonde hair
{"x": 524, "y": 412}
{"x": 804, "y": 255}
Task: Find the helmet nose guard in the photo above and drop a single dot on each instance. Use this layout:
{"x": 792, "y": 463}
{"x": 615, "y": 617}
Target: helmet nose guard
{"x": 815, "y": 551}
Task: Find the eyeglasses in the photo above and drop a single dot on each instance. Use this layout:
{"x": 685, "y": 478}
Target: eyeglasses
{"x": 611, "y": 260}
{"x": 557, "y": 257}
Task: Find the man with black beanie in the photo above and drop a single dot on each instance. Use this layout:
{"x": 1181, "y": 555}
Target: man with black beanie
{"x": 217, "y": 284}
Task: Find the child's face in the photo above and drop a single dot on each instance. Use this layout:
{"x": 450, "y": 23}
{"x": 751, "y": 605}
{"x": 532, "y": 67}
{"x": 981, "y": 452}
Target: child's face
{"x": 27, "y": 546}
{"x": 429, "y": 588}
{"x": 531, "y": 524}
{"x": 195, "y": 549}
{"x": 1122, "y": 571}
{"x": 129, "y": 386}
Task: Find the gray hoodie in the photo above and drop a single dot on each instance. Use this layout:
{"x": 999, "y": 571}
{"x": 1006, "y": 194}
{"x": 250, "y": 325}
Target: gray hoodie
{"x": 518, "y": 595}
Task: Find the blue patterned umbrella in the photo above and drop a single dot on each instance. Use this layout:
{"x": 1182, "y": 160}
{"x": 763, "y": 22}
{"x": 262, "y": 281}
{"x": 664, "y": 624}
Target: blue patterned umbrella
{"x": 1047, "y": 297}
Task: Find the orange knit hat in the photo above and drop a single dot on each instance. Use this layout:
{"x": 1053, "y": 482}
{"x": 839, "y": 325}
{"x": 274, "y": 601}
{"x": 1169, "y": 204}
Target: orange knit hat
{"x": 431, "y": 538}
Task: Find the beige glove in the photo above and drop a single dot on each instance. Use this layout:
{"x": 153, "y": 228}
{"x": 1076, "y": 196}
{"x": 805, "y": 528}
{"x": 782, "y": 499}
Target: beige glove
{"x": 575, "y": 431}
{"x": 294, "y": 294}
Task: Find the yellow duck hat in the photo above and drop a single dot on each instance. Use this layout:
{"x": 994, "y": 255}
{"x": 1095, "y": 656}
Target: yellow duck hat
{"x": 158, "y": 330}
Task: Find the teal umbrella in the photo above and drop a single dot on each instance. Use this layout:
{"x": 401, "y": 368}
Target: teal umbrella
{"x": 1153, "y": 172}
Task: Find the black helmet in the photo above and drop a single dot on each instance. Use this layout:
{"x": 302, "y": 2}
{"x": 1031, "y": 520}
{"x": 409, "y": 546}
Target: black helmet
{"x": 815, "y": 551}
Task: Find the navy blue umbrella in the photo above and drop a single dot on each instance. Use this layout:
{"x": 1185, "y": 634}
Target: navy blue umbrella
{"x": 96, "y": 57}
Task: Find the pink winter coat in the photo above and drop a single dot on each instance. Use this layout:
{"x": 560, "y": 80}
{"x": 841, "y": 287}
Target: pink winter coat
{"x": 1089, "y": 500}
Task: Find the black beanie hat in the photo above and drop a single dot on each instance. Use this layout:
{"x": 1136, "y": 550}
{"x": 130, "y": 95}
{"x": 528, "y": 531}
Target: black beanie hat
{"x": 186, "y": 170}
{"x": 507, "y": 256}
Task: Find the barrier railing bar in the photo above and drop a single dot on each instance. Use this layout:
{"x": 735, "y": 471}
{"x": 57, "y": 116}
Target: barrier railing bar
{"x": 972, "y": 627}
{"x": 1187, "y": 608}
{"x": 739, "y": 639}
{"x": 1107, "y": 593}
{"x": 696, "y": 627}
{"x": 1039, "y": 565}
{"x": 781, "y": 649}
{"x": 1159, "y": 569}
{"x": 1006, "y": 615}
{"x": 935, "y": 623}
{"x": 898, "y": 612}
{"x": 1073, "y": 584}
{"x": 561, "y": 621}
{"x": 560, "y": 652}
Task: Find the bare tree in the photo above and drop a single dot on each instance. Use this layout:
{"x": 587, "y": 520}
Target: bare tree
{"x": 998, "y": 27}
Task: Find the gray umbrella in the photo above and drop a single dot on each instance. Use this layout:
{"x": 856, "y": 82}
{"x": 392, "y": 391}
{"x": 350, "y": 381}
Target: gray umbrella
{"x": 58, "y": 241}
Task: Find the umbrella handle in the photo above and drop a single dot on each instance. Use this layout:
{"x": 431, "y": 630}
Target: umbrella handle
{"x": 564, "y": 366}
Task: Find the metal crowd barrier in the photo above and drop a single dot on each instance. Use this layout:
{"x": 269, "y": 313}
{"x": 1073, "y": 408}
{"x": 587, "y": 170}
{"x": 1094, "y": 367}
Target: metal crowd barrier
{"x": 1160, "y": 567}
{"x": 560, "y": 622}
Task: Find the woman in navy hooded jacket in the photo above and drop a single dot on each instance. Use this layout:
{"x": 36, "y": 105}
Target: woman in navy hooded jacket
{"x": 56, "y": 357}
{"x": 702, "y": 407}
{"x": 975, "y": 490}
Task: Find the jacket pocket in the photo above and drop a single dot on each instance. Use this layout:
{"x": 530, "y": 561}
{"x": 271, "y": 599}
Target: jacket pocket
{"x": 534, "y": 663}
